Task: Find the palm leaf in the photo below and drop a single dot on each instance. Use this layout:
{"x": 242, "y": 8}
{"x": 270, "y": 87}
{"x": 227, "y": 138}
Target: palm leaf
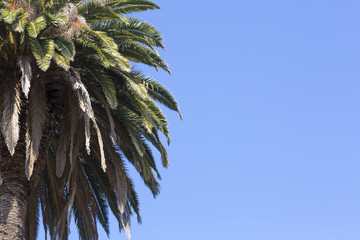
{"x": 65, "y": 47}
{"x": 62, "y": 61}
{"x": 10, "y": 113}
{"x": 43, "y": 51}
{"x": 34, "y": 27}
{"x": 73, "y": 65}
{"x": 25, "y": 67}
{"x": 129, "y": 6}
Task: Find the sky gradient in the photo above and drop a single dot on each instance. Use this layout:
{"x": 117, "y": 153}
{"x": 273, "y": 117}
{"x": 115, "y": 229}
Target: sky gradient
{"x": 269, "y": 147}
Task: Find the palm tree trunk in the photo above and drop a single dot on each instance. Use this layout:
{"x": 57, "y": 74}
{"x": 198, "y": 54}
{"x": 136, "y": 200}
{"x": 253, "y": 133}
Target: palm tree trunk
{"x": 13, "y": 200}
{"x": 15, "y": 189}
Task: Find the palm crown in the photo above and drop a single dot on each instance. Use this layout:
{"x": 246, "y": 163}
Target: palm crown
{"x": 76, "y": 109}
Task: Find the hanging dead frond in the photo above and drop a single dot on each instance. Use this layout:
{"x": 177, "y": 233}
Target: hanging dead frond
{"x": 78, "y": 138}
{"x": 87, "y": 112}
{"x": 10, "y": 115}
{"x": 84, "y": 103}
{"x": 121, "y": 185}
{"x": 112, "y": 125}
{"x": 101, "y": 145}
{"x": 65, "y": 215}
{"x": 125, "y": 221}
{"x": 63, "y": 145}
{"x": 61, "y": 155}
{"x": 36, "y": 120}
{"x": 117, "y": 175}
{"x": 108, "y": 113}
{"x": 87, "y": 132}
{"x": 73, "y": 125}
{"x": 26, "y": 74}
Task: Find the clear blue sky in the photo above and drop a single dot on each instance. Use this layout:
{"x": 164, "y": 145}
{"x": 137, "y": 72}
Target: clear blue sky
{"x": 269, "y": 148}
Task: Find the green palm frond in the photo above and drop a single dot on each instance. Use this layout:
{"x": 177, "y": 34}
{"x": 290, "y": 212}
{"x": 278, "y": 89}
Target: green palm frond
{"x": 34, "y": 27}
{"x": 94, "y": 12}
{"x": 43, "y": 51}
{"x": 87, "y": 113}
{"x": 106, "y": 84}
{"x": 143, "y": 30}
{"x": 62, "y": 61}
{"x": 130, "y": 6}
{"x": 10, "y": 16}
{"x": 65, "y": 47}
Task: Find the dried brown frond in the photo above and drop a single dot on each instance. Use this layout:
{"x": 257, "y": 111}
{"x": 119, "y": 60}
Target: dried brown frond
{"x": 36, "y": 120}
{"x": 26, "y": 74}
{"x": 63, "y": 143}
{"x": 10, "y": 112}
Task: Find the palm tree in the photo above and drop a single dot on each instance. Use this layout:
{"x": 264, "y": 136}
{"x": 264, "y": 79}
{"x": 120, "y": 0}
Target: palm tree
{"x": 72, "y": 110}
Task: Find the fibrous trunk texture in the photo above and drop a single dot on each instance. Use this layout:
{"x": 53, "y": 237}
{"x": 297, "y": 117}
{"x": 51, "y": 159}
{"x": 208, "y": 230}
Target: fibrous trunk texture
{"x": 13, "y": 202}
{"x": 14, "y": 189}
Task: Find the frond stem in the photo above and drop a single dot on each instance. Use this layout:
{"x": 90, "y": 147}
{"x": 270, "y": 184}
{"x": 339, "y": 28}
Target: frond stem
{"x": 79, "y": 3}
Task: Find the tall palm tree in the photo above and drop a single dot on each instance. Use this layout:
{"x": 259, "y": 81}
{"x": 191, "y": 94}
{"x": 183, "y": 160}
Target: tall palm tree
{"x": 72, "y": 110}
